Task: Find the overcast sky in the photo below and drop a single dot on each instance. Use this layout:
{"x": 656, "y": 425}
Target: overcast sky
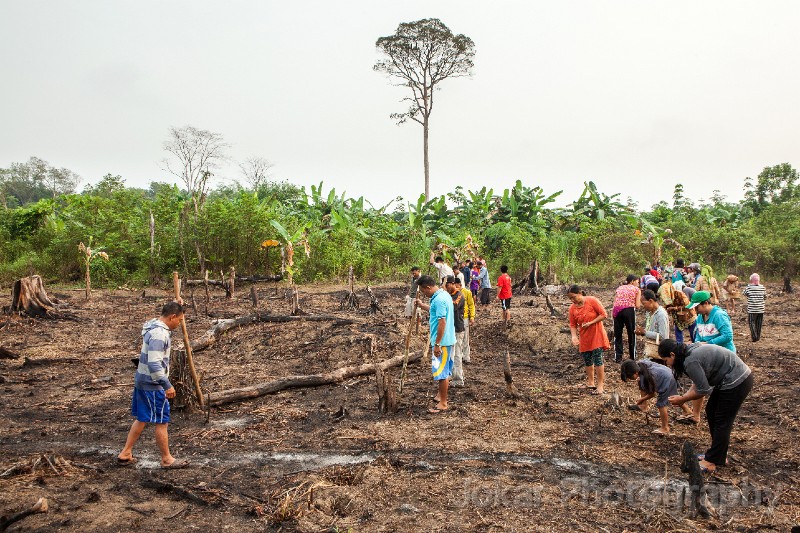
{"x": 635, "y": 95}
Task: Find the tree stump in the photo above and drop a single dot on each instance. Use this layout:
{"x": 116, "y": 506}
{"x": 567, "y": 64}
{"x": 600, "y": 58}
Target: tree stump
{"x": 350, "y": 301}
{"x": 787, "y": 285}
{"x": 28, "y": 297}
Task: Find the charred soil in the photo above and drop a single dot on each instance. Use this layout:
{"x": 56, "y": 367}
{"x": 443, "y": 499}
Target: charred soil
{"x": 551, "y": 458}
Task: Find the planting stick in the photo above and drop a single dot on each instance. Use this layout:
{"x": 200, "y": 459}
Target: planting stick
{"x": 198, "y": 391}
{"x": 408, "y": 343}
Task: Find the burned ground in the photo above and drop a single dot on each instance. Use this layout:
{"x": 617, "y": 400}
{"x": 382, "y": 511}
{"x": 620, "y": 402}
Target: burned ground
{"x": 324, "y": 459}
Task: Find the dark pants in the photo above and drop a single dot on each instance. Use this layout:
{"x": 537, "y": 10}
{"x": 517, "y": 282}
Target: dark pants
{"x": 755, "y": 320}
{"x": 626, "y": 318}
{"x": 653, "y": 286}
{"x": 679, "y": 333}
{"x": 485, "y": 296}
{"x": 721, "y": 410}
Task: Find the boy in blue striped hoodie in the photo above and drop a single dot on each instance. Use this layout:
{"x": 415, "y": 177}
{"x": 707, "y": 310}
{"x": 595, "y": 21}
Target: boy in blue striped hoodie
{"x": 152, "y": 388}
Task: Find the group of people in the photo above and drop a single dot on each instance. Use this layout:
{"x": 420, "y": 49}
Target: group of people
{"x": 686, "y": 294}
{"x": 451, "y": 311}
{"x": 689, "y": 295}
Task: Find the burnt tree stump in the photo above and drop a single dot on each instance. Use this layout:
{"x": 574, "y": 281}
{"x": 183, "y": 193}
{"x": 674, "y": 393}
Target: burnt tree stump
{"x": 29, "y": 298}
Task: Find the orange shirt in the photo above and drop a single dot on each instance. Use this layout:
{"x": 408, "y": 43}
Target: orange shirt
{"x": 595, "y": 335}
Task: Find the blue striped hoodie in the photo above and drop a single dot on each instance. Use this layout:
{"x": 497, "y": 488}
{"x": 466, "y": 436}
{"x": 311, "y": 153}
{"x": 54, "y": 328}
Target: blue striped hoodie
{"x": 153, "y": 370}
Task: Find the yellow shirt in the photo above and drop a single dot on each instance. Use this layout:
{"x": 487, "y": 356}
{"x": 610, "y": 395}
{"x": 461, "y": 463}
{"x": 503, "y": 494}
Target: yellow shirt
{"x": 469, "y": 304}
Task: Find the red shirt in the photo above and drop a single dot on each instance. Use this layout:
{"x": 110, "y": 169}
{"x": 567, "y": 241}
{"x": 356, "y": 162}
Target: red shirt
{"x": 504, "y": 286}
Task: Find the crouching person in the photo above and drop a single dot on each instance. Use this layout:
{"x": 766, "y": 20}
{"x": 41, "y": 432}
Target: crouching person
{"x": 653, "y": 379}
{"x": 152, "y": 388}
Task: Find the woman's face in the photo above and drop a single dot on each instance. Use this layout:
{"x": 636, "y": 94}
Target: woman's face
{"x": 670, "y": 360}
{"x": 575, "y": 298}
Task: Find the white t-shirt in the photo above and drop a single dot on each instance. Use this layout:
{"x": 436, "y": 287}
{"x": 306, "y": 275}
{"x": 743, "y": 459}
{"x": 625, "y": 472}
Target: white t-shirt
{"x": 443, "y": 269}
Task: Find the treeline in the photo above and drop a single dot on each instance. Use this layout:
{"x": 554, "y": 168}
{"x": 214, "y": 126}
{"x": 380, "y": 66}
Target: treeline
{"x": 595, "y": 239}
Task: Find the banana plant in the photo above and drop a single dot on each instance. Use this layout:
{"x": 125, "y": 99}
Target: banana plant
{"x": 88, "y": 256}
{"x": 657, "y": 238}
{"x": 596, "y": 205}
{"x": 287, "y": 250}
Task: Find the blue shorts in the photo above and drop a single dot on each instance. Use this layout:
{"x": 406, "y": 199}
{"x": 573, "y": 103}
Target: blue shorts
{"x": 442, "y": 367}
{"x": 150, "y": 406}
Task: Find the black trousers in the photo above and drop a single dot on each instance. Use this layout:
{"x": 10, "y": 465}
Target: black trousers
{"x": 721, "y": 410}
{"x": 485, "y": 296}
{"x": 755, "y": 321}
{"x": 626, "y": 318}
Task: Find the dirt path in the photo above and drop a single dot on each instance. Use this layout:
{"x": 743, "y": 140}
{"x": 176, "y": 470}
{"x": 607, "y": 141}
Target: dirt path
{"x": 324, "y": 460}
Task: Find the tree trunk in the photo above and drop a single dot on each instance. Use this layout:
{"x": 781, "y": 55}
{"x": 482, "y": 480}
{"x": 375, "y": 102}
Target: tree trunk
{"x": 426, "y": 162}
{"x": 152, "y": 249}
{"x": 787, "y": 284}
{"x": 29, "y": 297}
{"x": 313, "y": 380}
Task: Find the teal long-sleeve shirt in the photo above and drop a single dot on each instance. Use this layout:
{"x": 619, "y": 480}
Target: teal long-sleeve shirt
{"x": 716, "y": 330}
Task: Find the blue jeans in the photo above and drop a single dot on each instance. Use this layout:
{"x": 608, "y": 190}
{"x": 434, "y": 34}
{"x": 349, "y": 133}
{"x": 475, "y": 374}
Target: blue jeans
{"x": 679, "y": 333}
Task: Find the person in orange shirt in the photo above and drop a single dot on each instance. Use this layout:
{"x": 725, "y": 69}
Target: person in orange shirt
{"x": 586, "y": 315}
{"x": 504, "y": 294}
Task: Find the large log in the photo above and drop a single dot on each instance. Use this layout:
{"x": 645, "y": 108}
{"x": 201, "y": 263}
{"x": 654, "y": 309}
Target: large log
{"x": 41, "y": 506}
{"x": 212, "y": 335}
{"x": 313, "y": 380}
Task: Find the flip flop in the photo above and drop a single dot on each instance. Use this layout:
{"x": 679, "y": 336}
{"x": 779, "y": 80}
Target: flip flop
{"x": 596, "y": 392}
{"x": 177, "y": 464}
{"x": 126, "y": 462}
{"x": 585, "y": 386}
{"x": 659, "y": 432}
{"x": 436, "y": 410}
{"x": 702, "y": 457}
{"x": 634, "y": 407}
{"x": 688, "y": 420}
{"x": 706, "y": 470}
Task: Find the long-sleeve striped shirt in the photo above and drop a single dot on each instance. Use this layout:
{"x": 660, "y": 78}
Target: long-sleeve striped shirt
{"x": 755, "y": 294}
{"x": 153, "y": 370}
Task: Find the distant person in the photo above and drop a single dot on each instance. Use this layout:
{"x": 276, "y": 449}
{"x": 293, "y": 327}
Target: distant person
{"x": 475, "y": 281}
{"x": 453, "y": 286}
{"x": 442, "y": 336}
{"x": 442, "y": 269}
{"x": 152, "y": 389}
{"x": 504, "y": 294}
{"x": 704, "y": 280}
{"x": 721, "y": 375}
{"x": 586, "y": 315}
{"x": 485, "y": 284}
{"x": 412, "y": 291}
{"x": 627, "y": 299}
{"x": 732, "y": 293}
{"x": 675, "y": 302}
{"x": 756, "y": 295}
{"x": 469, "y": 320}
{"x": 649, "y": 281}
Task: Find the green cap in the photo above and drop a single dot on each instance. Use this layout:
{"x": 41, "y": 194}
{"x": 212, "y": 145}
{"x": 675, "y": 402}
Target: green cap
{"x": 698, "y": 298}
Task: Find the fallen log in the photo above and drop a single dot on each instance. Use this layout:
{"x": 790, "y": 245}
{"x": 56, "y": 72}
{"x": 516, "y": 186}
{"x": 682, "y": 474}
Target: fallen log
{"x": 212, "y": 335}
{"x": 41, "y": 506}
{"x": 313, "y": 380}
{"x": 239, "y": 279}
{"x": 178, "y": 490}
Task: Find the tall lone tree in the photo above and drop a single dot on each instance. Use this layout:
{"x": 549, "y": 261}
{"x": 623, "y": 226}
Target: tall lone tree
{"x": 422, "y": 54}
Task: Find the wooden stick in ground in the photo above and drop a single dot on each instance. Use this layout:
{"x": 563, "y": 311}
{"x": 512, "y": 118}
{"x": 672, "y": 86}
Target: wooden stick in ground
{"x": 205, "y": 282}
{"x": 187, "y": 345}
{"x": 408, "y": 343}
{"x": 510, "y": 387}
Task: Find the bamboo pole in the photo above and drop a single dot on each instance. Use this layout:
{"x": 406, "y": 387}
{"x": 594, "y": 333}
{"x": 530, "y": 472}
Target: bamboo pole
{"x": 176, "y": 282}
